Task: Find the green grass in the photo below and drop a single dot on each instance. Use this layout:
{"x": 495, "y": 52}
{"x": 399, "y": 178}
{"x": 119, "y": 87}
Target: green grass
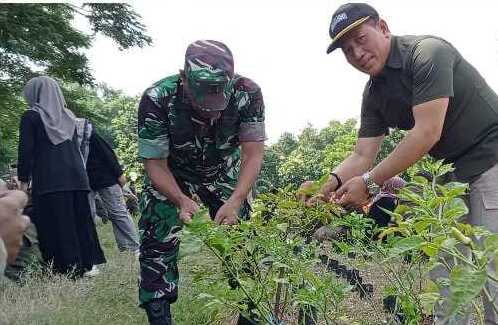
{"x": 110, "y": 298}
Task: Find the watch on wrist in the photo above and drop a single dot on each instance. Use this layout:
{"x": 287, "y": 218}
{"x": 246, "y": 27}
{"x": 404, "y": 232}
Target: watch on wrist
{"x": 372, "y": 187}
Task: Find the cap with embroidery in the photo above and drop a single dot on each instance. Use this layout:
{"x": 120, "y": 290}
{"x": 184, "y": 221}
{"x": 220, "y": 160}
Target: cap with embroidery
{"x": 347, "y": 17}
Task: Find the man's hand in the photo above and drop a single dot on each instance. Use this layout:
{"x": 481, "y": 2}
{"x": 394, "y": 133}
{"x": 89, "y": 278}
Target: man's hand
{"x": 12, "y": 221}
{"x": 353, "y": 193}
{"x": 301, "y": 195}
{"x": 228, "y": 213}
{"x": 24, "y": 187}
{"x": 122, "y": 180}
{"x": 325, "y": 192}
{"x": 187, "y": 209}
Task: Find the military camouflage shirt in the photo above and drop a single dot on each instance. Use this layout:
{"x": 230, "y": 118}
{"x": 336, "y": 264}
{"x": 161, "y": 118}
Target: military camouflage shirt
{"x": 169, "y": 128}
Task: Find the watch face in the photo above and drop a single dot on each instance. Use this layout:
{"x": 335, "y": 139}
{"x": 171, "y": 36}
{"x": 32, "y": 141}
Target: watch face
{"x": 374, "y": 189}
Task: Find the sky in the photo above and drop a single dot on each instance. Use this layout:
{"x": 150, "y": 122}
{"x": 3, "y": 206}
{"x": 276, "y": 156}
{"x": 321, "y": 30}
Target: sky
{"x": 281, "y": 46}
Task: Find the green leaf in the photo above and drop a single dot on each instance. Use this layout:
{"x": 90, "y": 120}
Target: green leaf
{"x": 430, "y": 249}
{"x": 465, "y": 285}
{"x": 428, "y": 300}
{"x": 190, "y": 247}
{"x": 406, "y": 245}
{"x": 455, "y": 209}
{"x": 491, "y": 242}
{"x": 388, "y": 231}
{"x": 281, "y": 265}
{"x": 449, "y": 243}
{"x": 282, "y": 227}
{"x": 419, "y": 180}
{"x": 422, "y": 225}
{"x": 204, "y": 295}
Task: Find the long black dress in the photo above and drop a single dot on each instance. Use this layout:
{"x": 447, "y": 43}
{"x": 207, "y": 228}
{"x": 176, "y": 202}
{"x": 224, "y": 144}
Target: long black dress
{"x": 66, "y": 231}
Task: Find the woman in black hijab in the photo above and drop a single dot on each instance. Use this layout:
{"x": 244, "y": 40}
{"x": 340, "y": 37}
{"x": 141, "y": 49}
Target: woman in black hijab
{"x": 50, "y": 158}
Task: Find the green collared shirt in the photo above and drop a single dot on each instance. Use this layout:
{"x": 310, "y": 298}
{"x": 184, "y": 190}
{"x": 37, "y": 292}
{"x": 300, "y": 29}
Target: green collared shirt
{"x": 423, "y": 68}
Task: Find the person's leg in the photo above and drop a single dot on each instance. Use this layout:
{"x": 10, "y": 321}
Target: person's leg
{"x": 55, "y": 222}
{"x": 86, "y": 233}
{"x": 484, "y": 212}
{"x": 122, "y": 224}
{"x": 159, "y": 243}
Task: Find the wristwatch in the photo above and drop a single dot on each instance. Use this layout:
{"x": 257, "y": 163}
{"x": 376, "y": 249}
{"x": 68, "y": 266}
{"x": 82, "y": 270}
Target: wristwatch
{"x": 372, "y": 187}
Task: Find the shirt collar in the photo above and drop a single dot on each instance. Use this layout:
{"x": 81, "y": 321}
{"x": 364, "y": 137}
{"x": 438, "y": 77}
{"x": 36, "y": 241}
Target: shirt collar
{"x": 394, "y": 59}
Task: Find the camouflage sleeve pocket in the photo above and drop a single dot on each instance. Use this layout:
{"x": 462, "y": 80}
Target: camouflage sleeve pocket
{"x": 157, "y": 148}
{"x": 153, "y": 140}
{"x": 252, "y": 132}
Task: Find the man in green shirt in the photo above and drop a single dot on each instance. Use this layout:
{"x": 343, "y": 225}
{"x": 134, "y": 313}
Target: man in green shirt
{"x": 421, "y": 84}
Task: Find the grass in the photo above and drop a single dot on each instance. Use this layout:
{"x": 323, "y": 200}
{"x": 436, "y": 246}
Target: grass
{"x": 110, "y": 298}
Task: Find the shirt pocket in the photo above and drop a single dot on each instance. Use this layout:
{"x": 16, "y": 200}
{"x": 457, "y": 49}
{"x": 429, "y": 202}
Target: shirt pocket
{"x": 490, "y": 200}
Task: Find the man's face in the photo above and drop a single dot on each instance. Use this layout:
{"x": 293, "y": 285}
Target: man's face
{"x": 209, "y": 99}
{"x": 367, "y": 46}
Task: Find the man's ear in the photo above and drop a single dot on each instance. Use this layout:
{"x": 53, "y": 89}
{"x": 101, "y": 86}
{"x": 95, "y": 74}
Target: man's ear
{"x": 384, "y": 28}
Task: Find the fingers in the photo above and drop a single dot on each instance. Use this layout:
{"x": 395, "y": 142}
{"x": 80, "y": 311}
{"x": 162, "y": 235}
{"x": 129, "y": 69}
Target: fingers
{"x": 340, "y": 192}
{"x": 219, "y": 217}
{"x": 229, "y": 221}
{"x": 222, "y": 219}
{"x": 185, "y": 217}
{"x": 14, "y": 199}
{"x": 315, "y": 199}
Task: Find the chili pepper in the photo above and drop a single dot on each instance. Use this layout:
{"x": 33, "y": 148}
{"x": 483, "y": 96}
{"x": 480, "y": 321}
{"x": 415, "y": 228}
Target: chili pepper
{"x": 461, "y": 237}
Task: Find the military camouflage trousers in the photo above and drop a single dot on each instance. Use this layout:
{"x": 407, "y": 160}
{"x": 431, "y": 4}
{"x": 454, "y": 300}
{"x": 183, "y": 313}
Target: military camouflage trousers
{"x": 159, "y": 241}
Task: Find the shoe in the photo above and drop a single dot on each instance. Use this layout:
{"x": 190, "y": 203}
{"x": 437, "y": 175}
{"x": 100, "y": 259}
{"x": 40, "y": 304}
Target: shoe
{"x": 158, "y": 312}
{"x": 307, "y": 315}
{"x": 243, "y": 320}
{"x": 92, "y": 273}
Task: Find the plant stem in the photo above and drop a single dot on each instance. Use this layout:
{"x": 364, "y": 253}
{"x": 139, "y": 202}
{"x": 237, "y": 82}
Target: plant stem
{"x": 276, "y": 310}
{"x": 234, "y": 274}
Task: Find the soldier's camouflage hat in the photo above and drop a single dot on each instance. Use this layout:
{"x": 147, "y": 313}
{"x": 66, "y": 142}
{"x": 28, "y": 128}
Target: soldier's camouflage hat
{"x": 209, "y": 70}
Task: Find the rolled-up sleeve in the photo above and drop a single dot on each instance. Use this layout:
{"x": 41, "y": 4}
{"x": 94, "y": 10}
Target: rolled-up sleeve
{"x": 153, "y": 131}
{"x": 252, "y": 113}
{"x": 432, "y": 69}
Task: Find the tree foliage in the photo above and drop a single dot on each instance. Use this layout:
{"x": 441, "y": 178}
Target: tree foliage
{"x": 41, "y": 39}
{"x": 313, "y": 153}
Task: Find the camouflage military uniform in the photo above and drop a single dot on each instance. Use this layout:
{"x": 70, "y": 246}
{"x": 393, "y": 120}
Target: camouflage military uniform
{"x": 204, "y": 159}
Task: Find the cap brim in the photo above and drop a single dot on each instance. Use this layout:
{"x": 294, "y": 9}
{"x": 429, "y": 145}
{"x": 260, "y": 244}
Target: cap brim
{"x": 334, "y": 45}
{"x": 214, "y": 102}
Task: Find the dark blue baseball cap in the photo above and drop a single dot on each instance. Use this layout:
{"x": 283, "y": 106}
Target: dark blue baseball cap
{"x": 347, "y": 17}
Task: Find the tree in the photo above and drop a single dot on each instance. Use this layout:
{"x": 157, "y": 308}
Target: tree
{"x": 313, "y": 154}
{"x": 124, "y": 125}
{"x": 273, "y": 158}
{"x": 40, "y": 39}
